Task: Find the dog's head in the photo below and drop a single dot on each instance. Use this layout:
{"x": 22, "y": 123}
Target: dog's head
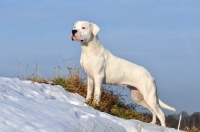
{"x": 84, "y": 31}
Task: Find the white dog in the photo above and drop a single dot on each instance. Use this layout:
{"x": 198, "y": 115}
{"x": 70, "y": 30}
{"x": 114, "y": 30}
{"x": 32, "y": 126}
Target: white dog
{"x": 103, "y": 67}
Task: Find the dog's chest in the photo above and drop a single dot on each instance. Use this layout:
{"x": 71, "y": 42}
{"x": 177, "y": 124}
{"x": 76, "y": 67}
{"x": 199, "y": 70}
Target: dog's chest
{"x": 87, "y": 66}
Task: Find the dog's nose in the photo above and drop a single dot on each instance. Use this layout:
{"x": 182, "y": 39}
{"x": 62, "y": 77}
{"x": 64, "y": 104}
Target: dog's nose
{"x": 73, "y": 32}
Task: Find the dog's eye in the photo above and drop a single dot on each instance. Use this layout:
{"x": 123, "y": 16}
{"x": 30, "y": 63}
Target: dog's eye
{"x": 83, "y": 27}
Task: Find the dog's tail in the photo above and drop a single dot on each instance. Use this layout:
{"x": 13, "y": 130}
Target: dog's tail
{"x": 166, "y": 106}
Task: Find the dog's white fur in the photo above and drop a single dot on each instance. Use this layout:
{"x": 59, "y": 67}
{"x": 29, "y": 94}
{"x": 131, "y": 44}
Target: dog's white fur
{"x": 103, "y": 67}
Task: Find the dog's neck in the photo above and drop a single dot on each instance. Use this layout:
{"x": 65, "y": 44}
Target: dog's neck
{"x": 91, "y": 47}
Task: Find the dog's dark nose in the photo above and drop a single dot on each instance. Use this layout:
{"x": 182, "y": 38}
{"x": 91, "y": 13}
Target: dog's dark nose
{"x": 73, "y": 32}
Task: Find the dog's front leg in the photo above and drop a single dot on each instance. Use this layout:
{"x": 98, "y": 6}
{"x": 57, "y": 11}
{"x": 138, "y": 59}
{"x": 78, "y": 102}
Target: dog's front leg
{"x": 90, "y": 88}
{"x": 98, "y": 80}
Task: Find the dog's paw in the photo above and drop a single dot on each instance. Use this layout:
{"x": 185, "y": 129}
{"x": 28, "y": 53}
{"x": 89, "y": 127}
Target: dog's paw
{"x": 152, "y": 122}
{"x": 88, "y": 99}
{"x": 95, "y": 103}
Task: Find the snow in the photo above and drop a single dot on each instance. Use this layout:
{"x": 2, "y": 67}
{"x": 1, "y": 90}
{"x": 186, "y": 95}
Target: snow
{"x": 32, "y": 107}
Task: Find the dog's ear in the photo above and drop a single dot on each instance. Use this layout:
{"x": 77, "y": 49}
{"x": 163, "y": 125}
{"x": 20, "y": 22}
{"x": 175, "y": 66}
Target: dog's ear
{"x": 94, "y": 28}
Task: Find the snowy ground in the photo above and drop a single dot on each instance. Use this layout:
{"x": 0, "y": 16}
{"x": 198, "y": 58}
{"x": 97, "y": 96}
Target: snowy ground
{"x": 34, "y": 107}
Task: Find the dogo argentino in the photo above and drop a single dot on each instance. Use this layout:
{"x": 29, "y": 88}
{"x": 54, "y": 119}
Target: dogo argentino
{"x": 102, "y": 67}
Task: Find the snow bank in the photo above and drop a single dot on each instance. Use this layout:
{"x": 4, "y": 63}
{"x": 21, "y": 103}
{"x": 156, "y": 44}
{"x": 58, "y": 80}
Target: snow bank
{"x": 34, "y": 107}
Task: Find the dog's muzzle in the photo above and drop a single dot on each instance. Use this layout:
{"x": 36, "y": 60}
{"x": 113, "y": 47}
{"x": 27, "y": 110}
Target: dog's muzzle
{"x": 73, "y": 32}
{"x": 74, "y": 36}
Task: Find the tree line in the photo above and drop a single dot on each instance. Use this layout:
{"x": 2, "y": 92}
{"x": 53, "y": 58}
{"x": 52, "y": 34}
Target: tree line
{"x": 188, "y": 122}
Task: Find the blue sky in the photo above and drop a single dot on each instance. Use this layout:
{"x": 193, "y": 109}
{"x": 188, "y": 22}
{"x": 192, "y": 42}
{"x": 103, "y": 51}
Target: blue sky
{"x": 162, "y": 36}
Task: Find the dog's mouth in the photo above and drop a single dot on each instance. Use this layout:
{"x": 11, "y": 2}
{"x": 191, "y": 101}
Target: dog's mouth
{"x": 73, "y": 37}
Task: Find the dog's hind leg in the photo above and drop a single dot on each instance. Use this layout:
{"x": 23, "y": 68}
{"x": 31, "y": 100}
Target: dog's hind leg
{"x": 150, "y": 98}
{"x": 145, "y": 105}
{"x": 139, "y": 99}
{"x": 154, "y": 106}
